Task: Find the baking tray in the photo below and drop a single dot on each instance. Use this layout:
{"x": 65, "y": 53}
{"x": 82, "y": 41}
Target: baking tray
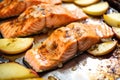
{"x": 82, "y": 67}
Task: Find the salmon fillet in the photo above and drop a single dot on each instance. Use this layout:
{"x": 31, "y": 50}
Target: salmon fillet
{"x": 61, "y": 46}
{"x": 10, "y": 8}
{"x": 56, "y": 49}
{"x": 38, "y": 18}
{"x": 63, "y": 43}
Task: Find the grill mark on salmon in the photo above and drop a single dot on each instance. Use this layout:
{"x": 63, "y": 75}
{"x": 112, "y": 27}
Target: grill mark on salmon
{"x": 103, "y": 30}
{"x": 4, "y": 3}
{"x": 10, "y": 8}
{"x": 85, "y": 35}
{"x": 37, "y": 18}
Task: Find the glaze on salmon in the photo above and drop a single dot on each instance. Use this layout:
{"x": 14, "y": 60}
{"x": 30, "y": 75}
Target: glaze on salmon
{"x": 38, "y": 18}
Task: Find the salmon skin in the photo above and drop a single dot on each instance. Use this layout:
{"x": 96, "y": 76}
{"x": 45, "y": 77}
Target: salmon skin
{"x": 38, "y": 18}
{"x": 62, "y": 45}
{"x": 10, "y": 8}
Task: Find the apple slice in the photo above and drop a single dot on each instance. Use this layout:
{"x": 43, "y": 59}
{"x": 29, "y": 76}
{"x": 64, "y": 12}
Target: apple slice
{"x": 15, "y": 71}
{"x": 97, "y": 9}
{"x": 112, "y": 19}
{"x": 85, "y": 2}
{"x": 102, "y": 48}
{"x": 15, "y": 45}
{"x": 116, "y": 31}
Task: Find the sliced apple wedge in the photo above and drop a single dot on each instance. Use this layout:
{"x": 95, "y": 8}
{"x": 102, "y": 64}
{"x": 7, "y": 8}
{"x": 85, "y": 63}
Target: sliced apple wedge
{"x": 112, "y": 19}
{"x": 85, "y": 2}
{"x": 96, "y": 9}
{"x": 14, "y": 71}
{"x": 102, "y": 48}
{"x": 15, "y": 45}
{"x": 116, "y": 31}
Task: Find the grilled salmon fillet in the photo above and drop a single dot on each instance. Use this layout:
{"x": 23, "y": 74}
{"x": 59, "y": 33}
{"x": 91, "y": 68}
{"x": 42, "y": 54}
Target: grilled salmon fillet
{"x": 62, "y": 45}
{"x": 56, "y": 49}
{"x": 37, "y": 18}
{"x": 10, "y": 8}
